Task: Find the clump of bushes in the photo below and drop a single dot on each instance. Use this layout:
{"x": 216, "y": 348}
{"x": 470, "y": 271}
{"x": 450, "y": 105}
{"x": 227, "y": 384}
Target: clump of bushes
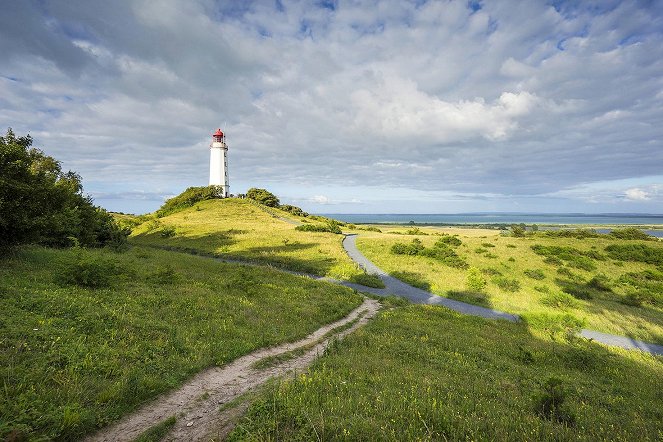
{"x": 330, "y": 226}
{"x": 636, "y": 252}
{"x": 572, "y": 256}
{"x": 559, "y": 300}
{"x": 189, "y": 198}
{"x": 293, "y": 210}
{"x": 450, "y": 240}
{"x": 475, "y": 281}
{"x": 551, "y": 403}
{"x": 631, "y": 233}
{"x": 507, "y": 284}
{"x": 89, "y": 271}
{"x": 164, "y": 275}
{"x": 263, "y": 197}
{"x": 167, "y": 232}
{"x": 535, "y": 274}
{"x": 372, "y": 229}
{"x": 643, "y": 287}
{"x": 440, "y": 251}
{"x": 573, "y": 233}
{"x": 487, "y": 244}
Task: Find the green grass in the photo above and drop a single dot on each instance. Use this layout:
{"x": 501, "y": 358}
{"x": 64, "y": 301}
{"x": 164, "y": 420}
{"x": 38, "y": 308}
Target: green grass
{"x": 425, "y": 373}
{"x": 74, "y": 358}
{"x": 630, "y": 306}
{"x": 157, "y": 432}
{"x": 235, "y": 228}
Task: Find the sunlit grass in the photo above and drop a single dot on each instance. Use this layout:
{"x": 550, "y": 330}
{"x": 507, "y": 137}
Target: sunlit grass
{"x": 238, "y": 228}
{"x": 74, "y": 358}
{"x": 425, "y": 373}
{"x": 511, "y": 258}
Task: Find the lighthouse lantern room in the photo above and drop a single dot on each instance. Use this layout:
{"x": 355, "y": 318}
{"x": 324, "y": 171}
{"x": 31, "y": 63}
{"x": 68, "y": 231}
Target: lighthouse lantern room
{"x": 218, "y": 162}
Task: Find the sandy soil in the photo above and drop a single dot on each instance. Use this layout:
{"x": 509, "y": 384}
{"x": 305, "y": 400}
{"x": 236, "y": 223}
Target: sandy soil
{"x": 196, "y": 404}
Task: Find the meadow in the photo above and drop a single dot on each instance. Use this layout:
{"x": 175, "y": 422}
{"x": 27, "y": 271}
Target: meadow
{"x": 241, "y": 229}
{"x": 426, "y": 373}
{"x": 579, "y": 281}
{"x": 87, "y": 336}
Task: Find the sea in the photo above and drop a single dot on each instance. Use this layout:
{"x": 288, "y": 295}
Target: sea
{"x": 542, "y": 219}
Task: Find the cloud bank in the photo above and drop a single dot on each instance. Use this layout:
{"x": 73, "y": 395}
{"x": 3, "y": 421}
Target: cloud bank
{"x": 404, "y": 106}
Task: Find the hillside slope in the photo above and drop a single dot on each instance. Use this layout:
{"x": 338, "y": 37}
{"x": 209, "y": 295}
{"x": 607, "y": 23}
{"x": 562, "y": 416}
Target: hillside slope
{"x": 235, "y": 228}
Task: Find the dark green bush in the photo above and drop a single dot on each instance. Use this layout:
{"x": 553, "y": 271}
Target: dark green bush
{"x": 89, "y": 271}
{"x": 646, "y": 286}
{"x": 368, "y": 280}
{"x": 330, "y": 227}
{"x": 559, "y": 300}
{"x": 535, "y": 274}
{"x": 507, "y": 284}
{"x": 550, "y": 403}
{"x": 440, "y": 252}
{"x": 573, "y": 257}
{"x": 487, "y": 244}
{"x": 189, "y": 198}
{"x": 372, "y": 229}
{"x": 164, "y": 275}
{"x": 631, "y": 233}
{"x": 449, "y": 240}
{"x": 413, "y": 248}
{"x": 263, "y": 197}
{"x": 294, "y": 210}
{"x": 168, "y": 232}
{"x": 600, "y": 282}
{"x": 39, "y": 203}
{"x": 636, "y": 252}
{"x": 573, "y": 233}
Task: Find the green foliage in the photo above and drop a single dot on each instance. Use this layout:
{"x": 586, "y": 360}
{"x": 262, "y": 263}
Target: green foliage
{"x": 551, "y": 403}
{"x": 487, "y": 244}
{"x": 87, "y": 270}
{"x": 475, "y": 281}
{"x": 600, "y": 282}
{"x": 293, "y": 210}
{"x": 368, "y": 280}
{"x": 39, "y": 203}
{"x": 518, "y": 230}
{"x": 559, "y": 300}
{"x": 572, "y": 256}
{"x": 440, "y": 252}
{"x": 636, "y": 252}
{"x": 573, "y": 233}
{"x": 414, "y": 231}
{"x": 167, "y": 232}
{"x": 507, "y": 284}
{"x": 263, "y": 196}
{"x": 157, "y": 432}
{"x": 372, "y": 229}
{"x": 643, "y": 287}
{"x": 331, "y": 227}
{"x": 535, "y": 274}
{"x": 189, "y": 198}
{"x": 631, "y": 233}
{"x": 450, "y": 240}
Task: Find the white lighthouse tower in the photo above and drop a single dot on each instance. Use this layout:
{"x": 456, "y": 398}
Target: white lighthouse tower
{"x": 218, "y": 162}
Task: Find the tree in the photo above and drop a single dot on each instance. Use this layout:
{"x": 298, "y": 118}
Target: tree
{"x": 39, "y": 203}
{"x": 263, "y": 197}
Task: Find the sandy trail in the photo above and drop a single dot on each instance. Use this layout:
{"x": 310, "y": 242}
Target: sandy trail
{"x": 196, "y": 403}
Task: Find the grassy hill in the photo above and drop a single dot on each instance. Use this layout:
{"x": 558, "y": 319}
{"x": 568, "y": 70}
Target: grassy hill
{"x": 235, "y": 228}
{"x": 87, "y": 336}
{"x": 545, "y": 279}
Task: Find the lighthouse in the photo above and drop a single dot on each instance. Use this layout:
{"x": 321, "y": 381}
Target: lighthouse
{"x": 218, "y": 162}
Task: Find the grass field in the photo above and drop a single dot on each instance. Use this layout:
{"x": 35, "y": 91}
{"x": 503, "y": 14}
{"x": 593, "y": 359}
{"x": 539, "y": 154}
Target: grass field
{"x": 425, "y": 373}
{"x": 235, "y": 228}
{"x": 87, "y": 336}
{"x": 538, "y": 293}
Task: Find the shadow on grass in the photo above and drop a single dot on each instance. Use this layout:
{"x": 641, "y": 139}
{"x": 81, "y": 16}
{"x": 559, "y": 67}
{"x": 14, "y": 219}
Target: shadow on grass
{"x": 414, "y": 279}
{"x": 475, "y": 298}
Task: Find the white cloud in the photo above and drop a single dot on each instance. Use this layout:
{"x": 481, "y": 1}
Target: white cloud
{"x": 636, "y": 194}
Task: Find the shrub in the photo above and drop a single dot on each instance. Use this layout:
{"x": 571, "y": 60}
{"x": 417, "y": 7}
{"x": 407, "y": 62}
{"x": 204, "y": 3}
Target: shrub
{"x": 331, "y": 227}
{"x": 487, "y": 244}
{"x": 475, "y": 281}
{"x": 518, "y": 230}
{"x": 573, "y": 257}
{"x": 559, "y": 300}
{"x": 189, "y": 198}
{"x": 600, "y": 282}
{"x": 408, "y": 249}
{"x": 167, "y": 232}
{"x": 89, "y": 271}
{"x": 293, "y": 210}
{"x": 449, "y": 240}
{"x": 646, "y": 286}
{"x": 262, "y": 196}
{"x": 553, "y": 260}
{"x": 372, "y": 229}
{"x": 631, "y": 233}
{"x": 550, "y": 403}
{"x": 535, "y": 274}
{"x": 507, "y": 284}
{"x": 480, "y": 250}
{"x": 368, "y": 280}
{"x": 632, "y": 298}
{"x": 573, "y": 233}
{"x": 491, "y": 271}
{"x": 164, "y": 275}
{"x": 636, "y": 252}
{"x": 414, "y": 231}
{"x": 511, "y": 246}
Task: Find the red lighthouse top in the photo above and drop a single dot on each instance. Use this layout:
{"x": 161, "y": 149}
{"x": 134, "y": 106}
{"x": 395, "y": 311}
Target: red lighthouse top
{"x": 218, "y": 136}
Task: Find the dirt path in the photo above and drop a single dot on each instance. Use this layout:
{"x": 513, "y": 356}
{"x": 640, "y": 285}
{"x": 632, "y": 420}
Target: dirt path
{"x": 196, "y": 404}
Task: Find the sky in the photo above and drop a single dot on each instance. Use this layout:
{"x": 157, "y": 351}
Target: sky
{"x": 347, "y": 106}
